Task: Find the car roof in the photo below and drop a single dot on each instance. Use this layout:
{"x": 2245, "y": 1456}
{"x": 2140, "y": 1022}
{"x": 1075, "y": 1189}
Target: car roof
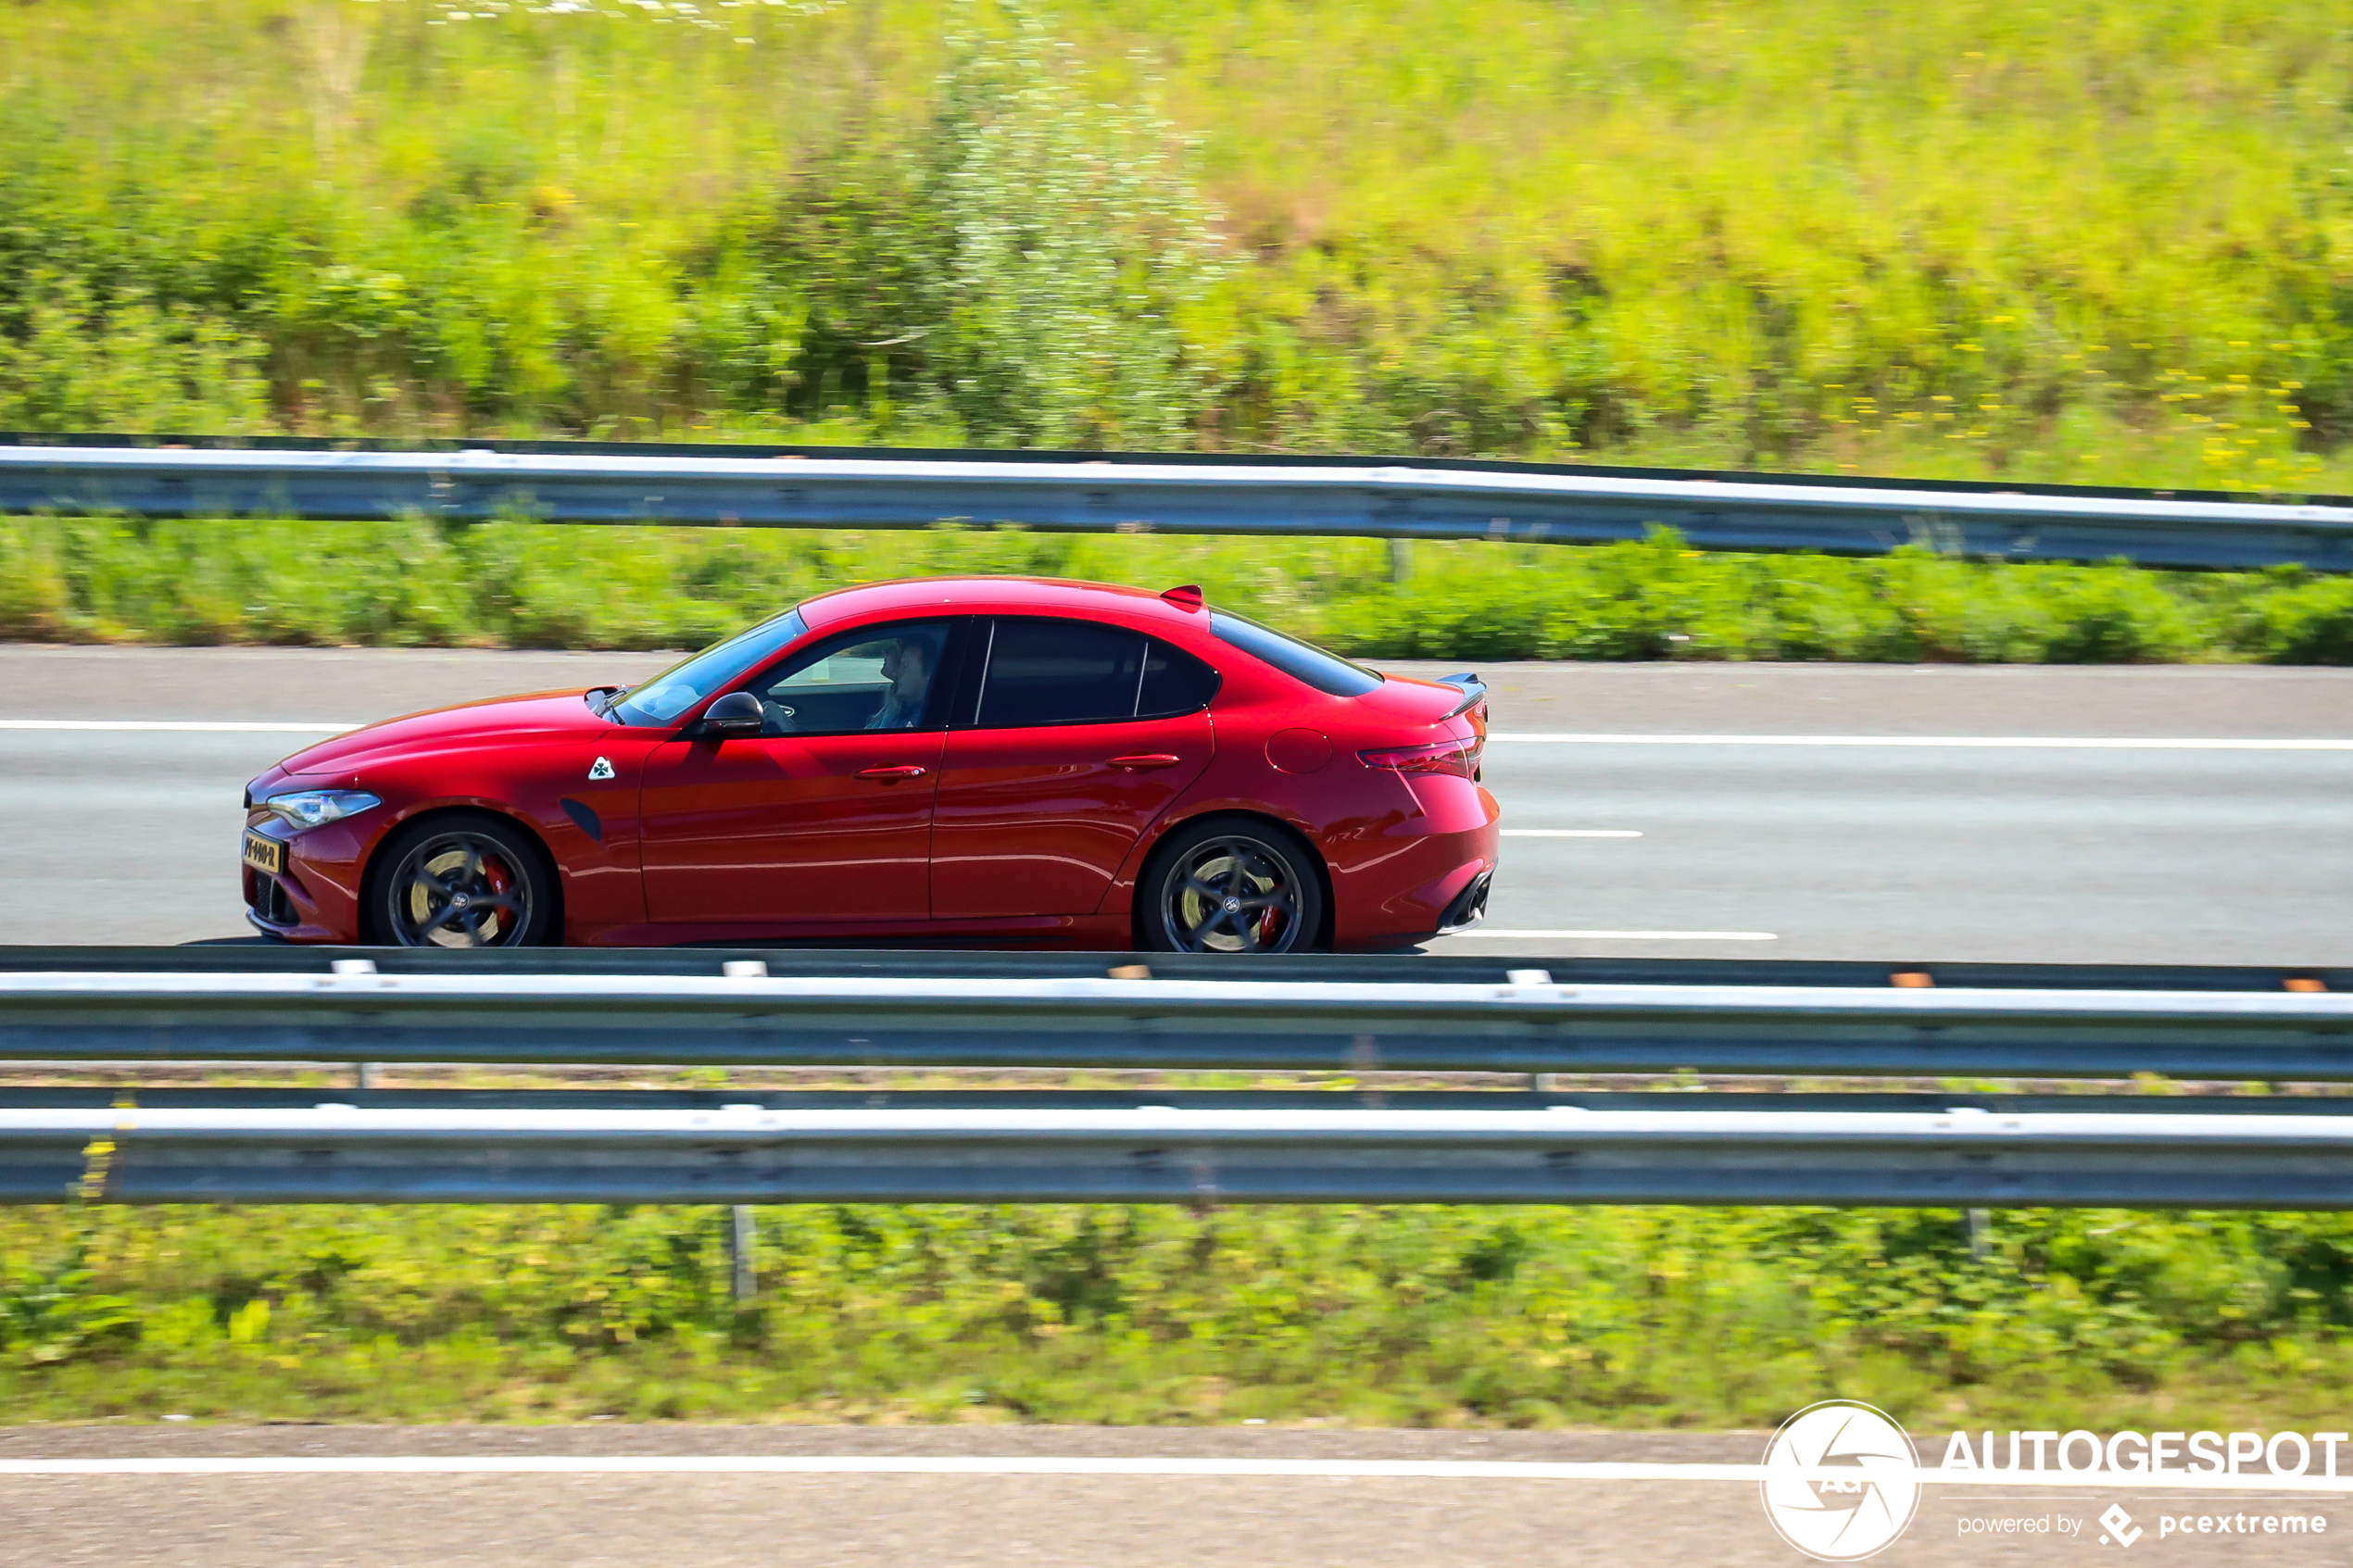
{"x": 998, "y": 595}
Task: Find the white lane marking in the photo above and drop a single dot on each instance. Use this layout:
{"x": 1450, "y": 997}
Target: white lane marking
{"x": 2029, "y": 743}
{"x": 1628, "y": 935}
{"x": 1571, "y": 833}
{"x": 198, "y": 726}
{"x": 1286, "y": 1469}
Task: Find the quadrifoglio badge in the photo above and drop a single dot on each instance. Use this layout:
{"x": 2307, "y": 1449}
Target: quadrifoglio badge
{"x": 1842, "y": 1482}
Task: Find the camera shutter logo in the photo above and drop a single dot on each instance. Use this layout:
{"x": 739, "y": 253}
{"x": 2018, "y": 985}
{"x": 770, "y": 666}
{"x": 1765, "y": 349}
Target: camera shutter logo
{"x": 1832, "y": 1518}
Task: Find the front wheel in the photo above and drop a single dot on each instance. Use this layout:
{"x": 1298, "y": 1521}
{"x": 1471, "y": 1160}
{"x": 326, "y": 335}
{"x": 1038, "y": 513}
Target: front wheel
{"x": 1232, "y": 887}
{"x": 462, "y": 882}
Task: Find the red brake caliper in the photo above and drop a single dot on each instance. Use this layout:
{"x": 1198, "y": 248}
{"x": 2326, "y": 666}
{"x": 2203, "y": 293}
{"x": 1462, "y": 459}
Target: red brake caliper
{"x": 494, "y": 870}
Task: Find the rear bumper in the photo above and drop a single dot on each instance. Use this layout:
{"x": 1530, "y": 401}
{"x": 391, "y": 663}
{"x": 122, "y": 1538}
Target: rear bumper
{"x": 1469, "y": 907}
{"x": 1414, "y": 886}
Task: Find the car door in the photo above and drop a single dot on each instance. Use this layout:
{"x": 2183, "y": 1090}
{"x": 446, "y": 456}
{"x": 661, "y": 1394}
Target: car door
{"x": 823, "y": 817}
{"x": 1073, "y": 738}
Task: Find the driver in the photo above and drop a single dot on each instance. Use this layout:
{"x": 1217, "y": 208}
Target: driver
{"x": 908, "y": 667}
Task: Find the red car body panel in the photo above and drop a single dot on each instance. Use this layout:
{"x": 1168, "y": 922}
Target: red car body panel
{"x": 1039, "y": 821}
{"x": 734, "y": 832}
{"x": 1027, "y": 836}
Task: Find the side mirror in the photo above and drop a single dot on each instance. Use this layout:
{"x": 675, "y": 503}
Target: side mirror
{"x": 737, "y": 713}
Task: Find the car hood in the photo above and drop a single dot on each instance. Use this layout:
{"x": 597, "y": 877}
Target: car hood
{"x": 507, "y": 720}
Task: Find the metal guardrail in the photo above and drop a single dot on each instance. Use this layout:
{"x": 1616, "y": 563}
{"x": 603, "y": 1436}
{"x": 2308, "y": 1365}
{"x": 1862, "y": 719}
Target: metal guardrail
{"x": 1560, "y": 1155}
{"x": 916, "y": 1022}
{"x": 922, "y": 1010}
{"x": 114, "y": 1096}
{"x": 1146, "y": 494}
{"x": 255, "y": 956}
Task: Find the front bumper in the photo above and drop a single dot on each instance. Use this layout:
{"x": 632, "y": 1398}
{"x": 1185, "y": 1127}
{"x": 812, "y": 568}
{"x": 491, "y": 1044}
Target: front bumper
{"x": 317, "y": 897}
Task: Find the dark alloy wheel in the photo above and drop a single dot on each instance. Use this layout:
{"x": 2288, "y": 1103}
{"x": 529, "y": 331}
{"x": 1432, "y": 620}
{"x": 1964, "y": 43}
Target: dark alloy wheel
{"x": 1231, "y": 887}
{"x": 462, "y": 883}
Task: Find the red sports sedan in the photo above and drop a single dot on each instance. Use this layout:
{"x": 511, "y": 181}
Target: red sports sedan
{"x": 991, "y": 761}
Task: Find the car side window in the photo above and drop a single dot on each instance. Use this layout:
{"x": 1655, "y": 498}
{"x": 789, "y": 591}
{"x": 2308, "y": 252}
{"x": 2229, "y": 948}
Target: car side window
{"x": 1059, "y": 673}
{"x": 876, "y": 678}
{"x": 1051, "y": 671}
{"x": 1175, "y": 683}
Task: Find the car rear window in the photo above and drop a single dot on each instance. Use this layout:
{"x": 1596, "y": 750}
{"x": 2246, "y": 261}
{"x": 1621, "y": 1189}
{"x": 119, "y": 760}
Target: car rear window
{"x": 1302, "y": 661}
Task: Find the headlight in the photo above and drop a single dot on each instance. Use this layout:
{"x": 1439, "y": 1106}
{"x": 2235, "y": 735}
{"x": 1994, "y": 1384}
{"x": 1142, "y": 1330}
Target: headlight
{"x": 317, "y": 807}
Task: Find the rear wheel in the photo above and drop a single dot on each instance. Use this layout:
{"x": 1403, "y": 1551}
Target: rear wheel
{"x": 462, "y": 882}
{"x": 1230, "y": 886}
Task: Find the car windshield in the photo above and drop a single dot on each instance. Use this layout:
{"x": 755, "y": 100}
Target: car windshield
{"x": 682, "y": 685}
{"x": 1303, "y": 661}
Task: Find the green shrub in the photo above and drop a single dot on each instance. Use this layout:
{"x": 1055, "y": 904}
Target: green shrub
{"x": 126, "y": 365}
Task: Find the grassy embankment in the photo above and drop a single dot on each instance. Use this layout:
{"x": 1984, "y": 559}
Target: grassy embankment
{"x": 1627, "y": 1317}
{"x": 2102, "y": 241}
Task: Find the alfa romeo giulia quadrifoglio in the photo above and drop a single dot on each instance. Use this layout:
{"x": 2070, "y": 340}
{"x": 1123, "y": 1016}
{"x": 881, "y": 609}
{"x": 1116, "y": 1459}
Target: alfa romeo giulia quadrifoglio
{"x": 939, "y": 761}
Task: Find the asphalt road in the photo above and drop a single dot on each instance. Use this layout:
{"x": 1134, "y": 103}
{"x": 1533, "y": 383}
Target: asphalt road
{"x": 2007, "y": 847}
{"x": 2007, "y": 850}
{"x": 1037, "y": 1521}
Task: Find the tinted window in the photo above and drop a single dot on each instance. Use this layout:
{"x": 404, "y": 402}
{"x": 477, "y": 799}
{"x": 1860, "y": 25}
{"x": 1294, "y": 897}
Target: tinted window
{"x": 1175, "y": 681}
{"x": 878, "y": 678}
{"x": 1060, "y": 672}
{"x": 1302, "y": 661}
{"x": 682, "y": 685}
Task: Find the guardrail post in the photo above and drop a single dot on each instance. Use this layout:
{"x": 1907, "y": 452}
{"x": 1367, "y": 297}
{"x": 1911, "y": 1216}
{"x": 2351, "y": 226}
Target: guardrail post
{"x": 741, "y": 1235}
{"x": 1541, "y": 1083}
{"x": 1980, "y": 1233}
{"x": 363, "y": 1078}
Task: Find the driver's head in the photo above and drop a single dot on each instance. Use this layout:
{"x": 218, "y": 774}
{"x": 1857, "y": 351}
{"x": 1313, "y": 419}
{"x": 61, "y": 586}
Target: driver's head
{"x": 907, "y": 666}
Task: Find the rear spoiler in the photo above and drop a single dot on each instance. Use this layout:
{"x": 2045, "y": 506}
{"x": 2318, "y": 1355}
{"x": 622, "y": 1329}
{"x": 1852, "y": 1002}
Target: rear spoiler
{"x": 1474, "y": 691}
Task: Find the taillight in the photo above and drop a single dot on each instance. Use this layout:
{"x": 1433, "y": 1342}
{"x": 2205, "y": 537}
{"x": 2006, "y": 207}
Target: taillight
{"x": 1459, "y": 758}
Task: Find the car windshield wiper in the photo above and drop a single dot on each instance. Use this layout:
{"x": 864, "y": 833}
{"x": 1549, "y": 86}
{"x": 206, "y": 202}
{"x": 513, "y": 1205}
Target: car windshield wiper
{"x": 601, "y": 699}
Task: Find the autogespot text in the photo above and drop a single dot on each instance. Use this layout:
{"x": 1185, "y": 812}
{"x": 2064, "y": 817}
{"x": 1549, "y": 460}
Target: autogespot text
{"x": 2140, "y": 1453}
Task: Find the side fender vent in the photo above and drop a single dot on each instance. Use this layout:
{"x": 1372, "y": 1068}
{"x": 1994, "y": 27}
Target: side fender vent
{"x": 585, "y": 820}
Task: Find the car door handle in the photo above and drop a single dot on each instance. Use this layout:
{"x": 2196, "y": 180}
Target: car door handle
{"x": 1158, "y": 760}
{"x": 904, "y": 770}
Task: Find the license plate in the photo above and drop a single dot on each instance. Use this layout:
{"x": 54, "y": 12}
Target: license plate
{"x": 265, "y": 854}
